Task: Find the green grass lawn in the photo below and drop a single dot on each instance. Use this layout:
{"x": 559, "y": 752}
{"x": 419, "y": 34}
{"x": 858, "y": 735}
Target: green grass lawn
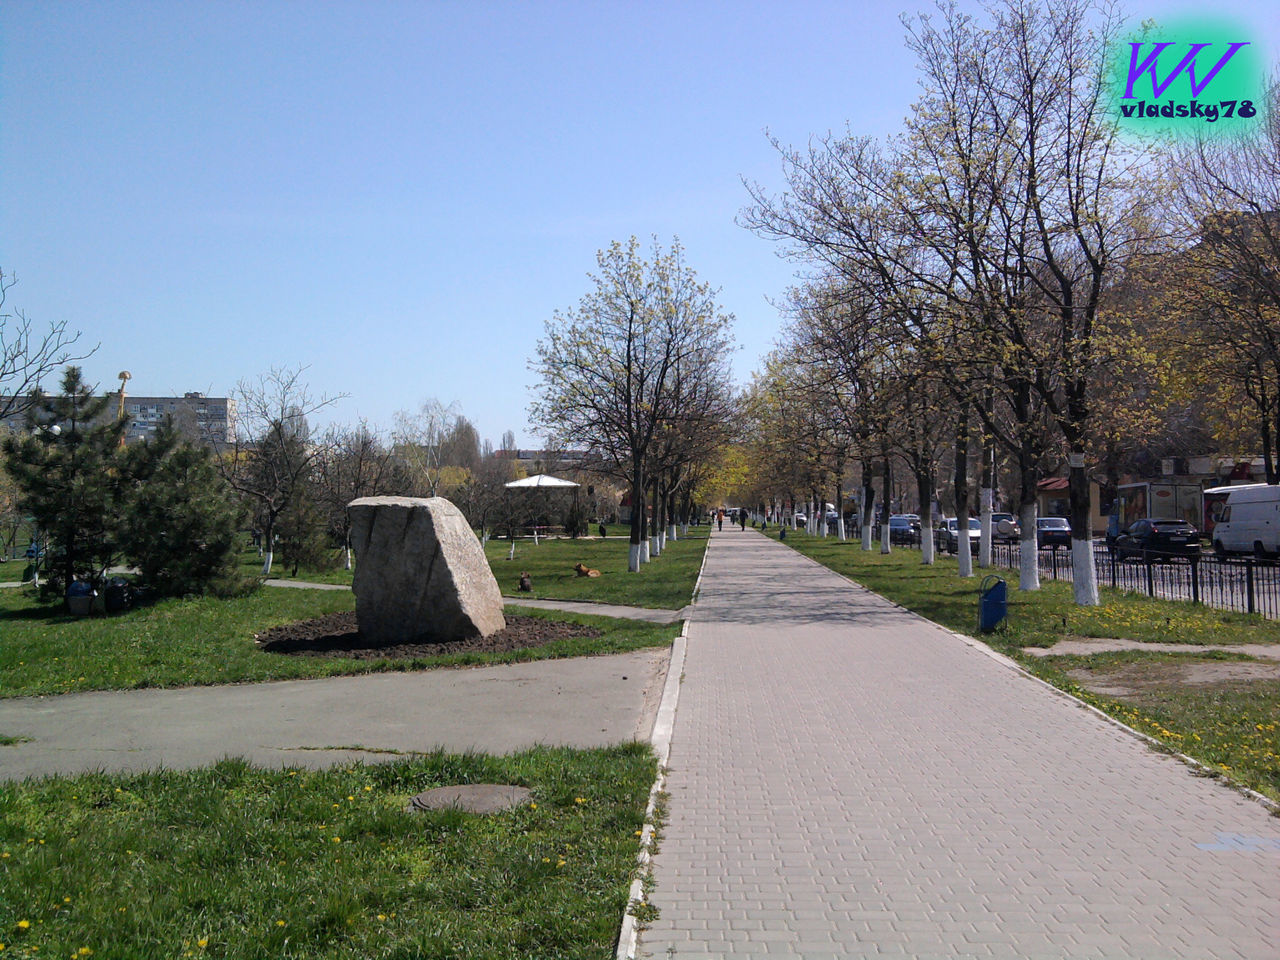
{"x": 208, "y": 641}
{"x": 250, "y": 565}
{"x": 1230, "y": 726}
{"x": 11, "y": 570}
{"x": 12, "y": 567}
{"x": 666, "y": 582}
{"x": 235, "y": 861}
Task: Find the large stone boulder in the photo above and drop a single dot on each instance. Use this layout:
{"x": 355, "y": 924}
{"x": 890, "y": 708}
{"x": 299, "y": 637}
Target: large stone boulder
{"x": 421, "y": 575}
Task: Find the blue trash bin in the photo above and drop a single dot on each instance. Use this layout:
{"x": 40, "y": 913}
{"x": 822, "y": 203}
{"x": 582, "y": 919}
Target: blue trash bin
{"x": 993, "y": 603}
{"x": 80, "y": 598}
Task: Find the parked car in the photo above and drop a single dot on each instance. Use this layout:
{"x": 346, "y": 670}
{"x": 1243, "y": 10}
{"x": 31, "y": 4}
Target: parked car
{"x": 1013, "y": 531}
{"x": 905, "y": 529}
{"x": 1053, "y": 532}
{"x": 1158, "y": 538}
{"x": 801, "y": 520}
{"x": 947, "y": 536}
{"x": 1250, "y": 521}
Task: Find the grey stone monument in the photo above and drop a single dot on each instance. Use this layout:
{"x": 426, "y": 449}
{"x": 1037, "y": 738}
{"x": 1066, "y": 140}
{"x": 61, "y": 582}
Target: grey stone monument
{"x": 421, "y": 574}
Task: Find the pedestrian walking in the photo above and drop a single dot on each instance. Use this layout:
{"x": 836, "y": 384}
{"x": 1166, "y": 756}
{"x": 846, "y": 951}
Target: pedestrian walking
{"x": 720, "y": 520}
{"x": 742, "y": 520}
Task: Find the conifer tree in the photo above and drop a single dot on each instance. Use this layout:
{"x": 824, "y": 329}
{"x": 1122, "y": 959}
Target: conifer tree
{"x": 180, "y": 517}
{"x": 67, "y": 467}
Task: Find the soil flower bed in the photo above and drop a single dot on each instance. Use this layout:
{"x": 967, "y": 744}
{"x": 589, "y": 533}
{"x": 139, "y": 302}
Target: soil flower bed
{"x": 337, "y": 635}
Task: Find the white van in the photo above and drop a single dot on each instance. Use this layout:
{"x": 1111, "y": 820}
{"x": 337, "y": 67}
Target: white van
{"x": 1250, "y": 522}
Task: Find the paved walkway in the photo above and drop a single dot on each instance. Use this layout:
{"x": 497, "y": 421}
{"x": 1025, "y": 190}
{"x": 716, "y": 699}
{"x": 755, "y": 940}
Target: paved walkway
{"x": 584, "y": 702}
{"x": 847, "y": 780}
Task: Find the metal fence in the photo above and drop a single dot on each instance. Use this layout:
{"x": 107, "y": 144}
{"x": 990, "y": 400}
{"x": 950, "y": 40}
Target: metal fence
{"x": 1244, "y": 584}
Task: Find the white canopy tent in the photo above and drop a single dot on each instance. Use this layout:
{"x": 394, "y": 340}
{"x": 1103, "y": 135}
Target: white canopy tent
{"x": 539, "y": 481}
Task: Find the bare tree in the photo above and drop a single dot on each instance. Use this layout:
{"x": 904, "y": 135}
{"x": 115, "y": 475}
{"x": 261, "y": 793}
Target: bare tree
{"x": 352, "y": 462}
{"x": 421, "y": 440}
{"x": 1225, "y": 287}
{"x": 273, "y": 456}
{"x": 27, "y": 355}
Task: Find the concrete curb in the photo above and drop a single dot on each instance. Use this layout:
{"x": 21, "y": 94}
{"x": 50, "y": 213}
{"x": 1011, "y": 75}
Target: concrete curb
{"x": 660, "y": 740}
{"x": 1150, "y": 741}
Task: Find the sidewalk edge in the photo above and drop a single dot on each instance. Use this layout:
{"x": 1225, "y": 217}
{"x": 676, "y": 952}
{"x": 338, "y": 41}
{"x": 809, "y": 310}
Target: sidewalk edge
{"x": 660, "y": 740}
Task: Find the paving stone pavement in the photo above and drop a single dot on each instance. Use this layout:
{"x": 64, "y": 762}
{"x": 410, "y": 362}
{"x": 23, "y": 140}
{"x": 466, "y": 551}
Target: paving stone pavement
{"x": 848, "y": 780}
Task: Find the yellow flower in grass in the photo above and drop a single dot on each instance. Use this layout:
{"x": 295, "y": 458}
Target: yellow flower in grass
{"x": 84, "y": 952}
{"x": 279, "y": 923}
{"x": 24, "y": 924}
{"x": 202, "y": 942}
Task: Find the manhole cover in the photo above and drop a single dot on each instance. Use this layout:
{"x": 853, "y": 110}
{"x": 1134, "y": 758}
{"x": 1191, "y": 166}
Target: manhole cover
{"x": 473, "y": 797}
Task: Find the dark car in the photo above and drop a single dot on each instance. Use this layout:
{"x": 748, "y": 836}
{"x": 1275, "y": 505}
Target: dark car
{"x": 1053, "y": 532}
{"x": 947, "y": 536}
{"x": 904, "y": 529}
{"x": 1155, "y": 539}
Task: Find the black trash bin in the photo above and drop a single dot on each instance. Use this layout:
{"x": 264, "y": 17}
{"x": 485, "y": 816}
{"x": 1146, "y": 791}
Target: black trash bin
{"x": 118, "y": 595}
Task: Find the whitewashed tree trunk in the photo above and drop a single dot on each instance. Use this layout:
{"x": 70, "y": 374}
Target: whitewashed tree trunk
{"x": 1084, "y": 573}
{"x": 964, "y": 556}
{"x": 266, "y": 563}
{"x": 866, "y": 536}
{"x": 346, "y": 562}
{"x": 984, "y": 519}
{"x": 633, "y": 558}
{"x": 840, "y": 528}
{"x": 672, "y": 533}
{"x": 1028, "y": 567}
{"x": 644, "y": 551}
{"x": 655, "y": 546}
{"x": 885, "y": 546}
{"x": 512, "y": 554}
{"x": 927, "y": 551}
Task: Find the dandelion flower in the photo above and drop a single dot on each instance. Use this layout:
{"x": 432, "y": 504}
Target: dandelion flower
{"x": 279, "y": 923}
{"x": 202, "y": 942}
{"x": 382, "y": 916}
{"x": 85, "y": 952}
{"x": 24, "y": 924}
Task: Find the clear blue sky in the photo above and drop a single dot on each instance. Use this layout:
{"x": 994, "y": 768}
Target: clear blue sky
{"x": 399, "y": 195}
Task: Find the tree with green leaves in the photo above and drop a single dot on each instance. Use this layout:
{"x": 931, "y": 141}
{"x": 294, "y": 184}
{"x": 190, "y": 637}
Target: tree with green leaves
{"x": 610, "y": 369}
{"x": 68, "y": 468}
{"x": 180, "y": 520}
